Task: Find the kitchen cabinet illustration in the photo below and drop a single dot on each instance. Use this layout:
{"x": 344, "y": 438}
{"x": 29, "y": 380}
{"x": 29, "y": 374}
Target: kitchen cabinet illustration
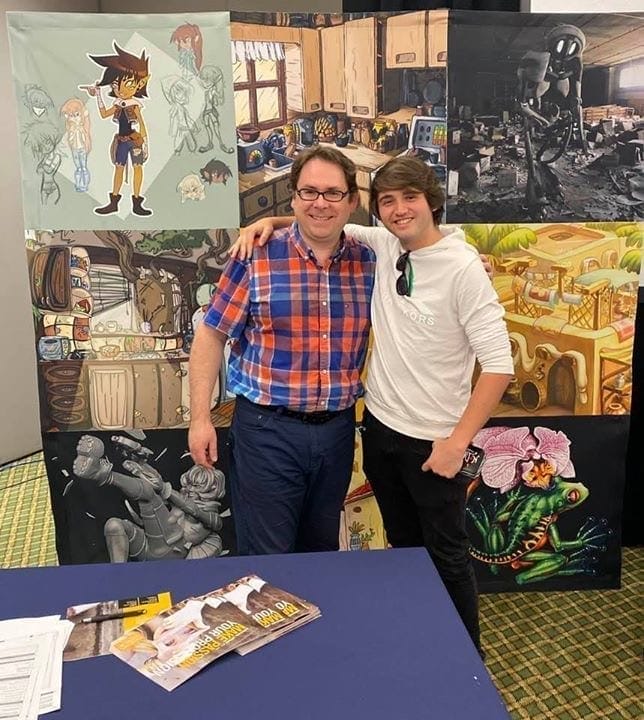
{"x": 333, "y": 83}
{"x": 360, "y": 67}
{"x": 437, "y": 39}
{"x": 406, "y": 40}
{"x": 369, "y": 89}
{"x": 272, "y": 197}
{"x": 416, "y": 40}
{"x": 303, "y": 77}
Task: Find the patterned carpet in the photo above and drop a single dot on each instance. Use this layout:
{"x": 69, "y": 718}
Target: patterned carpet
{"x": 569, "y": 656}
{"x": 26, "y": 522}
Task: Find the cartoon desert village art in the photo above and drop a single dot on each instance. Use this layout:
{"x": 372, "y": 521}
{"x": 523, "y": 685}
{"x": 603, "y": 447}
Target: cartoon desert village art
{"x": 570, "y": 295}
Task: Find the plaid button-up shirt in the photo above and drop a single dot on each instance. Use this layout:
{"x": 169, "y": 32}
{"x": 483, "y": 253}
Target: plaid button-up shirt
{"x": 300, "y": 329}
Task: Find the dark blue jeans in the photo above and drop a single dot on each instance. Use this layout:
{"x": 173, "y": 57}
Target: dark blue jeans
{"x": 421, "y": 509}
{"x": 288, "y": 479}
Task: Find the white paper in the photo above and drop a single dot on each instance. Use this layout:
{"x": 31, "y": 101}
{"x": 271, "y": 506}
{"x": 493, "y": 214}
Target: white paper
{"x": 22, "y": 666}
{"x": 51, "y": 634}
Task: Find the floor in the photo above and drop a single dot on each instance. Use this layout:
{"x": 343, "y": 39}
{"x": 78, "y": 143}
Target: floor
{"x": 569, "y": 656}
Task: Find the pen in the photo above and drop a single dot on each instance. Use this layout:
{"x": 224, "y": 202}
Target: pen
{"x": 113, "y": 616}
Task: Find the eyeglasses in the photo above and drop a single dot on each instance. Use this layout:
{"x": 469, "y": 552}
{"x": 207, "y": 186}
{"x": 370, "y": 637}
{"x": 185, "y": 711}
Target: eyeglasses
{"x": 310, "y": 195}
{"x": 403, "y": 286}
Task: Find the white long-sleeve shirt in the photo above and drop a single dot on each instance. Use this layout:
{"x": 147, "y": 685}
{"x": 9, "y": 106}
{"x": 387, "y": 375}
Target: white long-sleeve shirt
{"x": 424, "y": 348}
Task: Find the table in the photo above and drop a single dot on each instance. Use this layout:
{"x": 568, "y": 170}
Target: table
{"x": 389, "y": 644}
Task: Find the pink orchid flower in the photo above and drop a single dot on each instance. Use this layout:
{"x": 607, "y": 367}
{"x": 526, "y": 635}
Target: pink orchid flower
{"x": 515, "y": 455}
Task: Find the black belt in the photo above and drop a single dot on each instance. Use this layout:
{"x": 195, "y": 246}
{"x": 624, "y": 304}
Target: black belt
{"x": 312, "y": 418}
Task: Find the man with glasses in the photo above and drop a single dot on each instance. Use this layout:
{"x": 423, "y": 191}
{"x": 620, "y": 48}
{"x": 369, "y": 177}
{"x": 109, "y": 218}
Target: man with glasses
{"x": 298, "y": 313}
{"x": 433, "y": 312}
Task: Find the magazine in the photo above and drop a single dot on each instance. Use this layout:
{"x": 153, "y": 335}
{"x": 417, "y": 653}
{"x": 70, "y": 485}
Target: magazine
{"x": 274, "y": 610}
{"x": 173, "y": 646}
{"x": 97, "y": 625}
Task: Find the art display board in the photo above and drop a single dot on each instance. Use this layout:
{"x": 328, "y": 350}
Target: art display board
{"x": 71, "y": 151}
{"x": 208, "y": 111}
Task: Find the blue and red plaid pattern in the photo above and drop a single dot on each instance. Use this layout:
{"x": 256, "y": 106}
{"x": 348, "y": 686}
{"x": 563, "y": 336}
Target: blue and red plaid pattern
{"x": 300, "y": 330}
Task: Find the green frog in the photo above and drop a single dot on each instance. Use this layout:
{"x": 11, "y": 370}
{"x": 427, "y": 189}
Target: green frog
{"x": 521, "y": 532}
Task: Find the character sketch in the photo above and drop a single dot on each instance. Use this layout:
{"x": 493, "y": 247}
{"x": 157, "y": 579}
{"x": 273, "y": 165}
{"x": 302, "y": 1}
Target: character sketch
{"x": 191, "y": 187}
{"x": 549, "y": 96}
{"x": 177, "y": 92}
{"x": 79, "y": 139}
{"x": 212, "y": 79}
{"x": 127, "y": 77}
{"x": 172, "y": 524}
{"x": 215, "y": 171}
{"x": 38, "y": 103}
{"x": 43, "y": 140}
{"x": 42, "y": 135}
{"x": 189, "y": 43}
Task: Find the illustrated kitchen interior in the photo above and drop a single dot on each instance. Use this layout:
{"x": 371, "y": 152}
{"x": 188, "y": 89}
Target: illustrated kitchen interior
{"x": 374, "y": 87}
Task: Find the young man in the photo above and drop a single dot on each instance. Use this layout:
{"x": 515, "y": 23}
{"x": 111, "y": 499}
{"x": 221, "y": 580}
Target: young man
{"x": 298, "y": 313}
{"x": 433, "y": 312}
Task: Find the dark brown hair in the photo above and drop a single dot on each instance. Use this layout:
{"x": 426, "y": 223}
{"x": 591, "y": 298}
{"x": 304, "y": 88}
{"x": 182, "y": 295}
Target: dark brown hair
{"x": 408, "y": 173}
{"x": 123, "y": 65}
{"x": 330, "y": 155}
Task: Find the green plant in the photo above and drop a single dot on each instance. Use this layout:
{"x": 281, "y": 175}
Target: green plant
{"x": 499, "y": 239}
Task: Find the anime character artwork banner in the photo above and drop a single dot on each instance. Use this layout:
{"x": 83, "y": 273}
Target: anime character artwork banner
{"x": 126, "y": 121}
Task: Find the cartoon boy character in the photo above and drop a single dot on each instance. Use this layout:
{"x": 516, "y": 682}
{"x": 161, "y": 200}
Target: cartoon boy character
{"x": 127, "y": 76}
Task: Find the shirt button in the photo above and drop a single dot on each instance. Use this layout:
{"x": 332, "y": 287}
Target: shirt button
{"x": 324, "y": 303}
{"x": 324, "y": 336}
{"x": 323, "y": 372}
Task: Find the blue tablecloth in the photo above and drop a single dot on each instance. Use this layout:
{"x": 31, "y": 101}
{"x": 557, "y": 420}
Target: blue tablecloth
{"x": 389, "y": 644}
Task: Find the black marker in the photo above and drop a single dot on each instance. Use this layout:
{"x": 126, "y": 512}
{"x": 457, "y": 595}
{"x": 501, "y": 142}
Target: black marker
{"x": 113, "y": 616}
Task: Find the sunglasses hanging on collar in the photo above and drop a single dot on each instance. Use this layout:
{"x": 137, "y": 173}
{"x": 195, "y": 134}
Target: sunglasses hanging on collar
{"x": 405, "y": 281}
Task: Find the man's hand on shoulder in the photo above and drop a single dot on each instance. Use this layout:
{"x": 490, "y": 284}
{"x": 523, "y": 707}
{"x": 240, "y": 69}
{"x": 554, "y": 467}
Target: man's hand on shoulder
{"x": 202, "y": 441}
{"x": 487, "y": 265}
{"x": 257, "y": 233}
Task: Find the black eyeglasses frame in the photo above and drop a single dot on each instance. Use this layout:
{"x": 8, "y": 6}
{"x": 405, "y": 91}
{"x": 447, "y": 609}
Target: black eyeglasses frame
{"x": 324, "y": 194}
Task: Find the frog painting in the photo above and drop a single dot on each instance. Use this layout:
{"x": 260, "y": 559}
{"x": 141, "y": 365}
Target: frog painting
{"x": 528, "y": 482}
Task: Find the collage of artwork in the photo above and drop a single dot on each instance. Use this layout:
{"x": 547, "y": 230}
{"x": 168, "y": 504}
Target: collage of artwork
{"x": 148, "y": 141}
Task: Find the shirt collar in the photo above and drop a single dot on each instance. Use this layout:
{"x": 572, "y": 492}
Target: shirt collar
{"x": 305, "y": 251}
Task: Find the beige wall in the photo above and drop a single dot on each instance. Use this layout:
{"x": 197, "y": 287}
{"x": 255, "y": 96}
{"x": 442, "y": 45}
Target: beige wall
{"x": 19, "y": 421}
